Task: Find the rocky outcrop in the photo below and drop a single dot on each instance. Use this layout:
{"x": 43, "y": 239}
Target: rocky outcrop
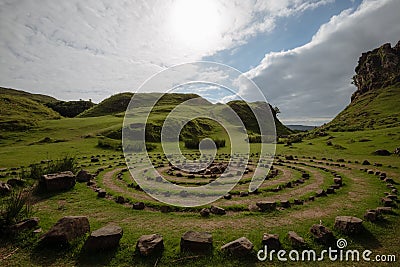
{"x": 377, "y": 69}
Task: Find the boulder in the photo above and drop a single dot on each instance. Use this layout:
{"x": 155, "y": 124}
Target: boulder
{"x": 322, "y": 234}
{"x": 58, "y": 181}
{"x": 271, "y": 241}
{"x": 150, "y": 244}
{"x": 66, "y": 230}
{"x": 382, "y": 152}
{"x": 196, "y": 242}
{"x": 5, "y": 188}
{"x": 239, "y": 247}
{"x": 266, "y": 205}
{"x": 138, "y": 206}
{"x": 105, "y": 238}
{"x": 348, "y": 224}
{"x": 83, "y": 176}
{"x": 217, "y": 210}
{"x": 295, "y": 239}
{"x": 24, "y": 225}
{"x": 205, "y": 212}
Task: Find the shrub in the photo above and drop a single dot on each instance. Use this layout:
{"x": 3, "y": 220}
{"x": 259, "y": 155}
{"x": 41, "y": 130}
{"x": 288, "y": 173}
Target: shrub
{"x": 35, "y": 171}
{"x": 16, "y": 207}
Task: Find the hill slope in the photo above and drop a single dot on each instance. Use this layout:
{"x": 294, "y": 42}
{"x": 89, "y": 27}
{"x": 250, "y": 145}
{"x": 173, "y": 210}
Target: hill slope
{"x": 36, "y": 97}
{"x": 376, "y": 103}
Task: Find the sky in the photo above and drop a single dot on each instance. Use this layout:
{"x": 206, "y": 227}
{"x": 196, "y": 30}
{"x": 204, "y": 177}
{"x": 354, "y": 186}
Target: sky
{"x": 301, "y": 54}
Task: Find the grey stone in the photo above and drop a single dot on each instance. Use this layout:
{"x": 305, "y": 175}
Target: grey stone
{"x": 271, "y": 241}
{"x": 150, "y": 244}
{"x": 348, "y": 224}
{"x": 105, "y": 238}
{"x": 58, "y": 181}
{"x": 196, "y": 242}
{"x": 217, "y": 210}
{"x": 239, "y": 247}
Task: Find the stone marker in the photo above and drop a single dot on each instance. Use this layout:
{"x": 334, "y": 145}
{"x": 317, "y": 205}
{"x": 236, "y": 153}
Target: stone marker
{"x": 65, "y": 230}
{"x": 239, "y": 247}
{"x": 217, "y": 210}
{"x": 266, "y": 205}
{"x": 348, "y": 224}
{"x": 58, "y": 181}
{"x": 150, "y": 244}
{"x": 196, "y": 242}
{"x": 295, "y": 239}
{"x": 105, "y": 238}
{"x": 271, "y": 241}
{"x": 322, "y": 234}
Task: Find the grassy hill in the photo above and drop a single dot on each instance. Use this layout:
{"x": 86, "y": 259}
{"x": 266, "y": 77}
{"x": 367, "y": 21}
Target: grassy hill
{"x": 36, "y": 97}
{"x": 375, "y": 109}
{"x": 21, "y": 113}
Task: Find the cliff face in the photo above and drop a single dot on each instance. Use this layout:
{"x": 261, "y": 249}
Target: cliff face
{"x": 376, "y": 69}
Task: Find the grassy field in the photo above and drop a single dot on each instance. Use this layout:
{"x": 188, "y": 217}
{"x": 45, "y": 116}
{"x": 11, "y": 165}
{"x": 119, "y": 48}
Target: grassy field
{"x": 78, "y": 137}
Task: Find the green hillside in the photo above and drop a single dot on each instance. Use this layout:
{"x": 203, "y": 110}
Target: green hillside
{"x": 36, "y": 97}
{"x": 375, "y": 109}
{"x": 21, "y": 113}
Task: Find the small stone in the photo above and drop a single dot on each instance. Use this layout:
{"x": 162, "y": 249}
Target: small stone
{"x": 196, "y": 242}
{"x": 285, "y": 204}
{"x": 205, "y": 212}
{"x": 384, "y": 210}
{"x": 83, "y": 176}
{"x": 138, "y": 206}
{"x": 228, "y": 196}
{"x": 330, "y": 190}
{"x": 165, "y": 209}
{"x": 101, "y": 193}
{"x": 266, "y": 205}
{"x": 393, "y": 197}
{"x": 295, "y": 239}
{"x": 338, "y": 181}
{"x": 120, "y": 200}
{"x": 348, "y": 224}
{"x": 271, "y": 241}
{"x": 105, "y": 238}
{"x": 366, "y": 162}
{"x": 322, "y": 234}
{"x": 371, "y": 215}
{"x": 24, "y": 225}
{"x": 239, "y": 247}
{"x": 321, "y": 193}
{"x": 387, "y": 202}
{"x": 217, "y": 210}
{"x": 150, "y": 244}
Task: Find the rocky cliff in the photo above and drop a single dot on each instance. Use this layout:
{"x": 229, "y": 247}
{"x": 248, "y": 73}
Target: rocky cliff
{"x": 377, "y": 69}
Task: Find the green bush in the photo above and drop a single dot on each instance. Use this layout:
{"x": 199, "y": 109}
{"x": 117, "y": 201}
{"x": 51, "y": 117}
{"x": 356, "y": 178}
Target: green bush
{"x": 35, "y": 171}
{"x": 15, "y": 207}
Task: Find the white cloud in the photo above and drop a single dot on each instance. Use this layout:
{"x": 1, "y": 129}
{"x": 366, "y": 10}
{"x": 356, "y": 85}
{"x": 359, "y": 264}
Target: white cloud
{"x": 314, "y": 80}
{"x": 74, "y": 49}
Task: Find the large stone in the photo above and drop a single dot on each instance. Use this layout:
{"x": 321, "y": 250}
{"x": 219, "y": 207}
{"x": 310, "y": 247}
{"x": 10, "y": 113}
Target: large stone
{"x": 24, "y": 225}
{"x": 196, "y": 242}
{"x": 217, "y": 210}
{"x": 271, "y": 241}
{"x": 239, "y": 247}
{"x": 83, "y": 176}
{"x": 372, "y": 215}
{"x": 58, "y": 181}
{"x": 266, "y": 205}
{"x": 348, "y": 224}
{"x": 295, "y": 239}
{"x": 322, "y": 234}
{"x": 66, "y": 230}
{"x": 150, "y": 244}
{"x": 105, "y": 238}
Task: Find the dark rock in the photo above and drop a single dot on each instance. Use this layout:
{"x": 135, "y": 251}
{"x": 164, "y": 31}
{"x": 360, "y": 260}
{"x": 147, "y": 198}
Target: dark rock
{"x": 101, "y": 193}
{"x": 338, "y": 181}
{"x": 322, "y": 234}
{"x": 5, "y": 188}
{"x": 289, "y": 157}
{"x": 138, "y": 206}
{"x": 330, "y": 190}
{"x": 239, "y": 247}
{"x": 228, "y": 196}
{"x": 371, "y": 215}
{"x": 366, "y": 162}
{"x": 384, "y": 210}
{"x": 120, "y": 200}
{"x": 66, "y": 230}
{"x": 311, "y": 198}
{"x": 370, "y": 171}
{"x": 382, "y": 152}
{"x": 348, "y": 224}
{"x": 397, "y": 151}
{"x": 150, "y": 244}
{"x": 196, "y": 242}
{"x": 16, "y": 182}
{"x": 285, "y": 204}
{"x": 271, "y": 241}
{"x": 105, "y": 238}
{"x": 387, "y": 202}
{"x": 205, "y": 212}
{"x": 165, "y": 209}
{"x": 266, "y": 205}
{"x": 389, "y": 180}
{"x": 305, "y": 175}
{"x": 58, "y": 181}
{"x": 217, "y": 210}
{"x": 295, "y": 239}
{"x": 83, "y": 176}
{"x": 393, "y": 197}
{"x": 298, "y": 202}
{"x": 243, "y": 194}
{"x": 321, "y": 193}
{"x": 24, "y": 225}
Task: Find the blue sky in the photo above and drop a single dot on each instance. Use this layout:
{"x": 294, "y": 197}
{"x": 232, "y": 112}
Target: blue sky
{"x": 300, "y": 53}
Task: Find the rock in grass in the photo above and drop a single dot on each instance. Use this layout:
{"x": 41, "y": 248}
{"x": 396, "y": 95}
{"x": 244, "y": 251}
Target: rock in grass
{"x": 239, "y": 247}
{"x": 196, "y": 242}
{"x": 83, "y": 176}
{"x": 150, "y": 244}
{"x": 320, "y": 193}
{"x": 217, "y": 210}
{"x": 271, "y": 241}
{"x": 382, "y": 152}
{"x": 4, "y": 188}
{"x": 266, "y": 205}
{"x": 138, "y": 206}
{"x": 24, "y": 225}
{"x": 105, "y": 238}
{"x": 384, "y": 210}
{"x": 101, "y": 193}
{"x": 387, "y": 202}
{"x": 58, "y": 181}
{"x": 322, "y": 234}
{"x": 66, "y": 230}
{"x": 295, "y": 239}
{"x": 205, "y": 212}
{"x": 348, "y": 224}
